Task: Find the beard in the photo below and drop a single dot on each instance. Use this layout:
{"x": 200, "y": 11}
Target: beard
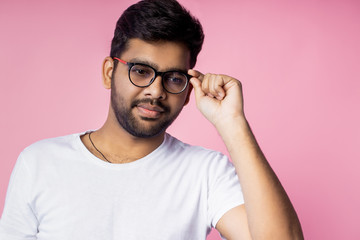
{"x": 128, "y": 121}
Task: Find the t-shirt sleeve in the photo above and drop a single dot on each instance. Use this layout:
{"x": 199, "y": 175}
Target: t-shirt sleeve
{"x": 224, "y": 189}
{"x": 18, "y": 221}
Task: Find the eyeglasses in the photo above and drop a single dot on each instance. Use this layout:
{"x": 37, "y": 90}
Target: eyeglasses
{"x": 142, "y": 75}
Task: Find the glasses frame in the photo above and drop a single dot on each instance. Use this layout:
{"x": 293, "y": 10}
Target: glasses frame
{"x": 157, "y": 73}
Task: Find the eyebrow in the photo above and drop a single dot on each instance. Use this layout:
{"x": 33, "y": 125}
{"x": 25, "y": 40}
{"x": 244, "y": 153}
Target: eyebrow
{"x": 156, "y": 67}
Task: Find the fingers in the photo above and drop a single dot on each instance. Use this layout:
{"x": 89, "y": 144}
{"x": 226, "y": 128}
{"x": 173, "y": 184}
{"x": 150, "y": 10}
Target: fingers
{"x": 211, "y": 84}
{"x": 196, "y": 74}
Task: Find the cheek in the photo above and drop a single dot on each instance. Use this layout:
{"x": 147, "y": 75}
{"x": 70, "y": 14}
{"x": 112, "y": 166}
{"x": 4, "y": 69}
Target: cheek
{"x": 124, "y": 88}
{"x": 178, "y": 101}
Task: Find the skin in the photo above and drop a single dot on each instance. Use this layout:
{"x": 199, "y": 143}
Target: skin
{"x": 268, "y": 212}
{"x": 117, "y": 144}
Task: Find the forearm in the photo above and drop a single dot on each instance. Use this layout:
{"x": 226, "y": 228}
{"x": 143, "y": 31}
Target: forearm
{"x": 269, "y": 210}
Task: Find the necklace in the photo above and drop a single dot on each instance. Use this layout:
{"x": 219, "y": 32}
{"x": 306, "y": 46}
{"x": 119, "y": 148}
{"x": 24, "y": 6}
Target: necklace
{"x": 96, "y": 148}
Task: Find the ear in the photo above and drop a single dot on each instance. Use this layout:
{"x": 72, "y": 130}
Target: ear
{"x": 107, "y": 70}
{"x": 188, "y": 94}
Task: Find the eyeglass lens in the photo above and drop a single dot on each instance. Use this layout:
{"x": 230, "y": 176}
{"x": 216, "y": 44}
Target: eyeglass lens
{"x": 142, "y": 75}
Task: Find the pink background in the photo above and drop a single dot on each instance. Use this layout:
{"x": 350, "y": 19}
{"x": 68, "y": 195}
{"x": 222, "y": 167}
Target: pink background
{"x": 299, "y": 62}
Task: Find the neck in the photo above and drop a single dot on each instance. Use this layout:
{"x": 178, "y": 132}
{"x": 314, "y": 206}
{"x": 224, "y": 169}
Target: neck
{"x": 119, "y": 146}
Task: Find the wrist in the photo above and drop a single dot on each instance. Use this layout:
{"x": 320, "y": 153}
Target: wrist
{"x": 229, "y": 122}
{"x": 234, "y": 125}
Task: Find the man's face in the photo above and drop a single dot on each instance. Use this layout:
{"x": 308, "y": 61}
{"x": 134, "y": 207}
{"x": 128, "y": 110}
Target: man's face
{"x": 147, "y": 112}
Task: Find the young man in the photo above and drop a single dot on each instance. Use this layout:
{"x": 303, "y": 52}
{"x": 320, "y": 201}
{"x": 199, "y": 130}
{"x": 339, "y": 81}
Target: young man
{"x": 130, "y": 179}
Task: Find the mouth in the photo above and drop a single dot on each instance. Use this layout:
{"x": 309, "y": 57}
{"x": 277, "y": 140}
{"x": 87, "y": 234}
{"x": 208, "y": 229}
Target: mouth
{"x": 148, "y": 111}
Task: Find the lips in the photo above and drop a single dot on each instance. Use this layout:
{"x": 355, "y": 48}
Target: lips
{"x": 149, "y": 111}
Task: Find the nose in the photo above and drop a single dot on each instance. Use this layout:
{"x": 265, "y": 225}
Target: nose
{"x": 156, "y": 89}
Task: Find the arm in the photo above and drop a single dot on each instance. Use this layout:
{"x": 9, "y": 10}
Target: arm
{"x": 267, "y": 212}
{"x": 18, "y": 221}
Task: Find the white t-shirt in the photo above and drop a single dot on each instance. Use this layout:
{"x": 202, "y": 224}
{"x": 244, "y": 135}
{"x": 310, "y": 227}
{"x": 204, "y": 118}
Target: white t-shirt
{"x": 60, "y": 191}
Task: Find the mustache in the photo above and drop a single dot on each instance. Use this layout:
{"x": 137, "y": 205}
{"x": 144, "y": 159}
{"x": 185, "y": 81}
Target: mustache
{"x": 154, "y": 102}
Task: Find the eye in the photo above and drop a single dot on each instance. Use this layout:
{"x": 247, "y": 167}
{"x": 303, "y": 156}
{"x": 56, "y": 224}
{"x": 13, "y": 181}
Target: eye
{"x": 142, "y": 71}
{"x": 175, "y": 78}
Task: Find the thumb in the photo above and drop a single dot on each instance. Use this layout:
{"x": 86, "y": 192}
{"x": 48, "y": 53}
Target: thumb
{"x": 196, "y": 83}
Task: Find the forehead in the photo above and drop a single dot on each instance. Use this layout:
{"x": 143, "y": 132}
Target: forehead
{"x": 162, "y": 54}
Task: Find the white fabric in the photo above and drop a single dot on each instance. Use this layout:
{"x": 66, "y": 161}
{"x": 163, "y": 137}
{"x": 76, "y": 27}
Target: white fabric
{"x": 59, "y": 190}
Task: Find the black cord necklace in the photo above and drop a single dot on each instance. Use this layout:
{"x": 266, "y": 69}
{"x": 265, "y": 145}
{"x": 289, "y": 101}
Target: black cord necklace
{"x": 96, "y": 148}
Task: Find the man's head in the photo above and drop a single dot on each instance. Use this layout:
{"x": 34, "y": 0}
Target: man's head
{"x": 158, "y": 20}
{"x": 164, "y": 36}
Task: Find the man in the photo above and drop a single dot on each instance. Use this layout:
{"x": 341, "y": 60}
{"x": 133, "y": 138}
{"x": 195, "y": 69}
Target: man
{"x": 130, "y": 179}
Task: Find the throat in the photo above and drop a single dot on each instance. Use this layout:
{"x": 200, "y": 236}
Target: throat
{"x": 116, "y": 159}
{"x": 116, "y": 154}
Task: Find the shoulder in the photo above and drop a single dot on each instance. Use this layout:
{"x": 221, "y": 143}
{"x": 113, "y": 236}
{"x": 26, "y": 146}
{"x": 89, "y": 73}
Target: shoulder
{"x": 195, "y": 154}
{"x": 174, "y": 144}
{"x": 50, "y": 148}
{"x": 51, "y": 143}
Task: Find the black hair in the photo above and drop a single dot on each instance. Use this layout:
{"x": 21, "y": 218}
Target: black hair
{"x": 158, "y": 20}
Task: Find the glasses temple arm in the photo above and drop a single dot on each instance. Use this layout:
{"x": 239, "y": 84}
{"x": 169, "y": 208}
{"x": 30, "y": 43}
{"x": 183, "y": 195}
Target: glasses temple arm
{"x": 122, "y": 61}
